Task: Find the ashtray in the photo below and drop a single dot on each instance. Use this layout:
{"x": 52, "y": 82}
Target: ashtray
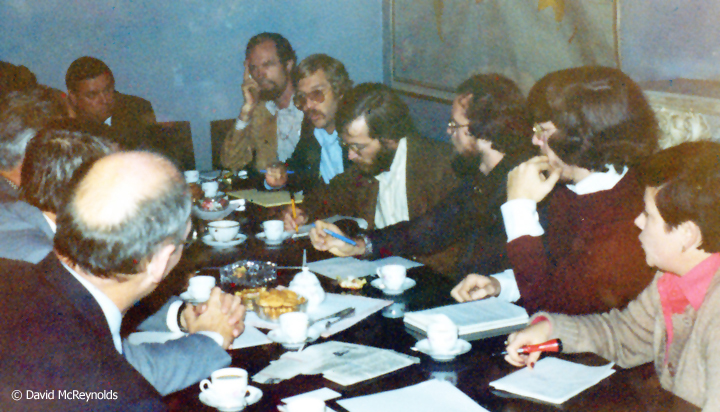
{"x": 247, "y": 274}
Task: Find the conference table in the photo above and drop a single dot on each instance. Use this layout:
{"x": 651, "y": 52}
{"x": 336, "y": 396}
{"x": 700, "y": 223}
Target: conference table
{"x": 635, "y": 389}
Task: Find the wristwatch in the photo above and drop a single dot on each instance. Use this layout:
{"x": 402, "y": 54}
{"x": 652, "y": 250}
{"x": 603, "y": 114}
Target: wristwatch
{"x": 179, "y": 316}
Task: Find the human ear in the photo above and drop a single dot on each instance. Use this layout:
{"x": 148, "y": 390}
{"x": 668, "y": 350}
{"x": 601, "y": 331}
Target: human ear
{"x": 158, "y": 265}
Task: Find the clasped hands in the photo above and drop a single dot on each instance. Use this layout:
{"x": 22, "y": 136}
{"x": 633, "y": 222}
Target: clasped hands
{"x": 222, "y": 313}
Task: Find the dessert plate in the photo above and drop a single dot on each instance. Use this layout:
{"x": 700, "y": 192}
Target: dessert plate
{"x": 285, "y": 235}
{"x": 461, "y": 346}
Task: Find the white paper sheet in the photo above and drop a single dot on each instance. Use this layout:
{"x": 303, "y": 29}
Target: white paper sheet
{"x": 477, "y": 316}
{"x": 250, "y": 337}
{"x": 324, "y": 394}
{"x": 430, "y": 396}
{"x": 345, "y": 267}
{"x": 553, "y": 380}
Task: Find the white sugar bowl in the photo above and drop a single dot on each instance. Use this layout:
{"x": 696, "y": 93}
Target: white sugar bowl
{"x": 305, "y": 283}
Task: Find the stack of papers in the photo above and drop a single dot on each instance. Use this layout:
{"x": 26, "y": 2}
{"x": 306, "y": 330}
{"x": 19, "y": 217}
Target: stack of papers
{"x": 430, "y": 396}
{"x": 553, "y": 380}
{"x": 471, "y": 317}
{"x": 347, "y": 267}
{"x": 267, "y": 199}
{"x": 250, "y": 337}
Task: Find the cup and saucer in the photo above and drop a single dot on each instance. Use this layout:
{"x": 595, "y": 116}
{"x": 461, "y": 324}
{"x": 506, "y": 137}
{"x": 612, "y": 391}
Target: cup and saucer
{"x": 407, "y": 284}
{"x": 199, "y": 289}
{"x": 274, "y": 242}
{"x": 227, "y": 390}
{"x": 461, "y": 347}
{"x": 227, "y": 404}
{"x": 277, "y": 336}
{"x": 210, "y": 241}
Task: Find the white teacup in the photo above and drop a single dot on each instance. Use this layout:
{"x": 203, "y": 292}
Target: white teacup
{"x": 192, "y": 176}
{"x": 224, "y": 230}
{"x": 200, "y": 287}
{"x": 274, "y": 229}
{"x": 442, "y": 336}
{"x": 229, "y": 384}
{"x": 294, "y": 326}
{"x": 392, "y": 276}
{"x": 210, "y": 188}
{"x": 305, "y": 404}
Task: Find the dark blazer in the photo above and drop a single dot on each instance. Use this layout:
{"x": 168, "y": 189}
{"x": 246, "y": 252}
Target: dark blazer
{"x": 53, "y": 337}
{"x": 130, "y": 119}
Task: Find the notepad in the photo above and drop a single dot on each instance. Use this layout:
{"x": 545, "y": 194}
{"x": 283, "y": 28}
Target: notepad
{"x": 267, "y": 199}
{"x": 471, "y": 317}
{"x": 553, "y": 380}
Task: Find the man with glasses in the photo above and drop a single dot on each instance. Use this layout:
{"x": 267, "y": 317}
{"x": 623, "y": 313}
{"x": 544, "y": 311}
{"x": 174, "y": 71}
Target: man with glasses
{"x": 268, "y": 128}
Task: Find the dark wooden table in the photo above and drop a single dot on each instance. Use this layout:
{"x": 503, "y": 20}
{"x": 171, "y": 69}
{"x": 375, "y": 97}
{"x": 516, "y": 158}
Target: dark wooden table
{"x": 635, "y": 389}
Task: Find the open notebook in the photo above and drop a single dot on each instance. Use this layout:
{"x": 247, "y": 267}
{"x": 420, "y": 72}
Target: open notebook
{"x": 471, "y": 317}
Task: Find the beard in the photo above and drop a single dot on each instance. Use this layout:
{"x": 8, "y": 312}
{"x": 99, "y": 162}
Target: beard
{"x": 466, "y": 164}
{"x": 382, "y": 162}
{"x": 271, "y": 94}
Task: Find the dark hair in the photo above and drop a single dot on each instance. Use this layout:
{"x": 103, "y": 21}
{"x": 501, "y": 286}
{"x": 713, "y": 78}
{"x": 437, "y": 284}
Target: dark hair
{"x": 284, "y": 50}
{"x": 15, "y": 78}
{"x": 688, "y": 179}
{"x": 125, "y": 247}
{"x": 335, "y": 72}
{"x": 497, "y": 112}
{"x": 22, "y": 115}
{"x": 386, "y": 115}
{"x": 85, "y": 68}
{"x": 601, "y": 115}
{"x": 51, "y": 159}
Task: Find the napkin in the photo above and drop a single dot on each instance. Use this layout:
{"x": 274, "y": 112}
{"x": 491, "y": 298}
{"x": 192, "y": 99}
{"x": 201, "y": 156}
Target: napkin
{"x": 429, "y": 396}
{"x": 553, "y": 380}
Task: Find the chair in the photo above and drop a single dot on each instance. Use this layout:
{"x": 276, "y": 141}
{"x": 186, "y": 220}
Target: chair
{"x": 218, "y": 131}
{"x": 174, "y": 140}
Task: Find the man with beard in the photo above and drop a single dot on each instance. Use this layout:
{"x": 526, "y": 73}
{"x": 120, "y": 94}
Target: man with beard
{"x": 396, "y": 174}
{"x": 488, "y": 129}
{"x": 268, "y": 128}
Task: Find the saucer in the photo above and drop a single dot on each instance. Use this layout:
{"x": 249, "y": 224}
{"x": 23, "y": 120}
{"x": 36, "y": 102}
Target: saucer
{"x": 407, "y": 284}
{"x": 285, "y": 235}
{"x": 277, "y": 336}
{"x": 209, "y": 398}
{"x": 189, "y": 298}
{"x": 461, "y": 347}
{"x": 208, "y": 240}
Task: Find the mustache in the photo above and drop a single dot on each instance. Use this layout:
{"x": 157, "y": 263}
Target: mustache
{"x": 313, "y": 112}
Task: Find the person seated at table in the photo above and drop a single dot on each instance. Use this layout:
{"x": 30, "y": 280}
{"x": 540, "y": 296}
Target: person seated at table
{"x": 396, "y": 174}
{"x": 594, "y": 126}
{"x": 488, "y": 128}
{"x": 120, "y": 231}
{"x": 92, "y": 98}
{"x": 675, "y": 321}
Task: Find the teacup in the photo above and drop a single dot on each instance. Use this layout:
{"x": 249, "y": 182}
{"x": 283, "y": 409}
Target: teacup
{"x": 200, "y": 287}
{"x": 210, "y": 188}
{"x": 228, "y": 384}
{"x": 392, "y": 276}
{"x": 274, "y": 229}
{"x": 294, "y": 326}
{"x": 192, "y": 176}
{"x": 224, "y": 230}
{"x": 305, "y": 404}
{"x": 442, "y": 336}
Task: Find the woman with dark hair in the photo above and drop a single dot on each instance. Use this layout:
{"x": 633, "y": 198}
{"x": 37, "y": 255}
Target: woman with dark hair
{"x": 489, "y": 131}
{"x": 593, "y": 127}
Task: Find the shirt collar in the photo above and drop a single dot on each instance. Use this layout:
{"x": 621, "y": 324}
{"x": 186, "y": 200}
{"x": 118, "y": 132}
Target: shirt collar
{"x": 695, "y": 283}
{"x": 52, "y": 224}
{"x": 271, "y": 106}
{"x": 398, "y": 161}
{"x": 598, "y": 181}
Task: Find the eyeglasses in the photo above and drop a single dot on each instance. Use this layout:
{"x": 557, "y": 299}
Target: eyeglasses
{"x": 452, "y": 124}
{"x": 317, "y": 96}
{"x": 355, "y": 147}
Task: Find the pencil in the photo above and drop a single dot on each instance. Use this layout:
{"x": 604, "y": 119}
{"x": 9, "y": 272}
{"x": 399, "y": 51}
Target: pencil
{"x": 294, "y": 211}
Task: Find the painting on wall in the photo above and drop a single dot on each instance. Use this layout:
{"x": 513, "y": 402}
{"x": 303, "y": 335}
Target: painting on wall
{"x": 436, "y": 44}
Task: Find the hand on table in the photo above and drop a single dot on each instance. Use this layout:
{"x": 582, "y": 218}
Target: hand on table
{"x": 222, "y": 313}
{"x": 527, "y": 180}
{"x": 475, "y": 287}
{"x": 532, "y": 335}
{"x": 251, "y": 94}
{"x": 276, "y": 175}
{"x": 291, "y": 224}
{"x": 323, "y": 241}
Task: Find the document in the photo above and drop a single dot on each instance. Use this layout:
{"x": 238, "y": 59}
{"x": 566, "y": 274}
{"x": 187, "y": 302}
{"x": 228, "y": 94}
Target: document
{"x": 553, "y": 380}
{"x": 266, "y": 199}
{"x": 471, "y": 317}
{"x": 346, "y": 267}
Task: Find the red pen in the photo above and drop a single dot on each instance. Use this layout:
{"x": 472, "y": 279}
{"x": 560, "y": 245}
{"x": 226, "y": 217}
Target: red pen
{"x": 553, "y": 345}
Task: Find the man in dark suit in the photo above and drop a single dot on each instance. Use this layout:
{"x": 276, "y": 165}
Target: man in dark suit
{"x": 92, "y": 97}
{"x": 121, "y": 231}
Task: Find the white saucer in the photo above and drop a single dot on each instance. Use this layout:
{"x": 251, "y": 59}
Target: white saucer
{"x": 208, "y": 240}
{"x": 461, "y": 347}
{"x": 285, "y": 236}
{"x": 407, "y": 284}
{"x": 189, "y": 298}
{"x": 209, "y": 398}
{"x": 277, "y": 336}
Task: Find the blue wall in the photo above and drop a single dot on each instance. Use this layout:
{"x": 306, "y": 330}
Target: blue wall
{"x": 185, "y": 56}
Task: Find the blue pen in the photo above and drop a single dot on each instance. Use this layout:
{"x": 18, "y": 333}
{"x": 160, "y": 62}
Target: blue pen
{"x": 338, "y": 236}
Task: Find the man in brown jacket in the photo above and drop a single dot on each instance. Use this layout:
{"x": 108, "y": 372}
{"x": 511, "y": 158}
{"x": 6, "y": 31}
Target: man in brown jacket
{"x": 396, "y": 175}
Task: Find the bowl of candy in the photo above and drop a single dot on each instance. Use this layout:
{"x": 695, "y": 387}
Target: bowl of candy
{"x": 272, "y": 303}
{"x": 213, "y": 208}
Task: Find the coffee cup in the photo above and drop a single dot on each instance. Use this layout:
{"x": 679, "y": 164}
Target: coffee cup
{"x": 229, "y": 384}
{"x": 442, "y": 336}
{"x": 273, "y": 229}
{"x": 294, "y": 326}
{"x": 392, "y": 276}
{"x": 224, "y": 230}
{"x": 192, "y": 176}
{"x": 305, "y": 404}
{"x": 200, "y": 287}
{"x": 210, "y": 188}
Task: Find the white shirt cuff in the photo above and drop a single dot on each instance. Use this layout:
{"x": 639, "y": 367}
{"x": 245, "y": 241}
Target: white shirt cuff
{"x": 509, "y": 291}
{"x": 172, "y": 316}
{"x": 239, "y": 124}
{"x": 521, "y": 218}
{"x": 214, "y": 336}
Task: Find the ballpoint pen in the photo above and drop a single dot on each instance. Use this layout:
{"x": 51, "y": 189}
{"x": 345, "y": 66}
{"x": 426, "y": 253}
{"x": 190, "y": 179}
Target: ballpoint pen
{"x": 338, "y": 236}
{"x": 554, "y": 345}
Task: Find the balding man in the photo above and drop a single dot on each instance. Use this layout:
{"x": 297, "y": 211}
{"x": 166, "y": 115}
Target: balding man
{"x": 120, "y": 233}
